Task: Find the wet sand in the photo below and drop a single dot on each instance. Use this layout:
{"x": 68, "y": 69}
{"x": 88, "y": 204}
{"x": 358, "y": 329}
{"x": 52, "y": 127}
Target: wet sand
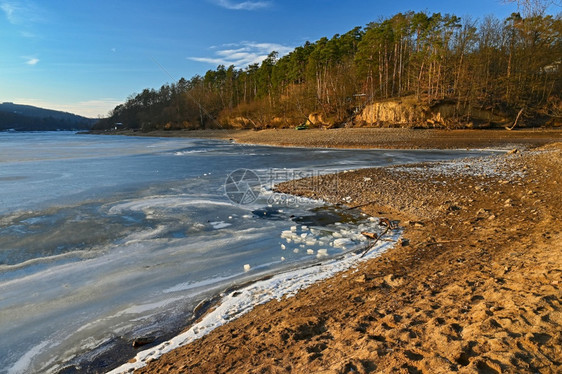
{"x": 474, "y": 286}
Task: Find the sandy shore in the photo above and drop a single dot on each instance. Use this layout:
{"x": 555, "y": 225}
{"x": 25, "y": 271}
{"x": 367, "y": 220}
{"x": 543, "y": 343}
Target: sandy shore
{"x": 374, "y": 137}
{"x": 474, "y": 287}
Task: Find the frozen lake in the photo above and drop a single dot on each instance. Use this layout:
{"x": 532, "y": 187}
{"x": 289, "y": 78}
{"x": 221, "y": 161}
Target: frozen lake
{"x": 106, "y": 238}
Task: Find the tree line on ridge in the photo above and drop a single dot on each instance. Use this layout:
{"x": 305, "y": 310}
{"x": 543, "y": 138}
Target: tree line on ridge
{"x": 503, "y": 66}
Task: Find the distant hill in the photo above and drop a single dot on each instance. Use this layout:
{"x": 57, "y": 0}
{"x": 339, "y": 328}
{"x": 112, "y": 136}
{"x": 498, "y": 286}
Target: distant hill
{"x": 30, "y": 118}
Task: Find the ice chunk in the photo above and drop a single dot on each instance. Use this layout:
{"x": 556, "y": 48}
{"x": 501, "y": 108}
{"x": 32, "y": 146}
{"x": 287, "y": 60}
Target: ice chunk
{"x": 342, "y": 243}
{"x": 220, "y": 225}
{"x": 247, "y": 267}
{"x": 286, "y": 234}
{"x": 310, "y": 251}
{"x": 311, "y": 241}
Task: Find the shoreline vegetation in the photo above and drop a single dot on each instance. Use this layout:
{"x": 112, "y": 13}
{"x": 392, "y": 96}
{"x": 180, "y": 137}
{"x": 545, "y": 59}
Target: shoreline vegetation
{"x": 413, "y": 69}
{"x": 473, "y": 286}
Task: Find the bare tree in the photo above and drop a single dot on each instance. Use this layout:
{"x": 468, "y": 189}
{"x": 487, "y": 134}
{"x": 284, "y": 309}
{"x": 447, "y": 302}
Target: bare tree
{"x": 531, "y": 8}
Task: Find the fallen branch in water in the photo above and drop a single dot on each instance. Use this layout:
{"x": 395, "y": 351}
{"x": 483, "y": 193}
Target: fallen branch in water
{"x": 383, "y": 222}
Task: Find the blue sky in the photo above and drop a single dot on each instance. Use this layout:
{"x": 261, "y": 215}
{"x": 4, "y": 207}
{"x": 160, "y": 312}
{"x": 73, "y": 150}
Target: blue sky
{"x": 87, "y": 56}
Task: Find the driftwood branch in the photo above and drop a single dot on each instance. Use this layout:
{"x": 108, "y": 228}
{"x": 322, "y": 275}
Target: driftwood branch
{"x": 516, "y": 119}
{"x": 384, "y": 222}
{"x": 368, "y": 248}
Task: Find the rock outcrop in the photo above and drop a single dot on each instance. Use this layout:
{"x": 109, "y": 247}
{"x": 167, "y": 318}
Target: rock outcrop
{"x": 411, "y": 112}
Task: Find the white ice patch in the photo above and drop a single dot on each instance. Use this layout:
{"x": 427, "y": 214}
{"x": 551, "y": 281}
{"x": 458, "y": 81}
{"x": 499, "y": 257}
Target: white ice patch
{"x": 478, "y": 167}
{"x": 242, "y": 301}
{"x": 322, "y": 252}
{"x": 147, "y": 205}
{"x": 192, "y": 285}
{"x": 143, "y": 308}
{"x": 219, "y": 224}
{"x": 21, "y": 366}
{"x": 342, "y": 242}
{"x": 184, "y": 153}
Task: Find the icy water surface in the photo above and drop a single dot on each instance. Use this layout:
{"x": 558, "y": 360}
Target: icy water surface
{"x": 104, "y": 239}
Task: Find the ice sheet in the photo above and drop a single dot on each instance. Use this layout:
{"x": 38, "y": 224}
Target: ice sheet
{"x": 242, "y": 301}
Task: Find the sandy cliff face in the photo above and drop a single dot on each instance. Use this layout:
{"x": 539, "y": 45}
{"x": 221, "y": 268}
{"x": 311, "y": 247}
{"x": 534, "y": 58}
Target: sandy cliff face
{"x": 409, "y": 112}
{"x": 406, "y": 112}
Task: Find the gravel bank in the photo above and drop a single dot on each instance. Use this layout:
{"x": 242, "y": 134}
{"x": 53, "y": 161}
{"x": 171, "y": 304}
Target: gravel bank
{"x": 474, "y": 287}
{"x": 375, "y": 137}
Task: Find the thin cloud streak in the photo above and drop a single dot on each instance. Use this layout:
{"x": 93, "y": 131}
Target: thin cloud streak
{"x": 244, "y": 5}
{"x": 21, "y": 13}
{"x": 243, "y": 54}
{"x": 9, "y": 11}
{"x": 32, "y": 61}
{"x": 94, "y": 108}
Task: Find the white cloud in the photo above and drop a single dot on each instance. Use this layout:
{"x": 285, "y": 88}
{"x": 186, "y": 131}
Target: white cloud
{"x": 244, "y": 5}
{"x": 22, "y": 13}
{"x": 243, "y": 54}
{"x": 9, "y": 10}
{"x": 32, "y": 61}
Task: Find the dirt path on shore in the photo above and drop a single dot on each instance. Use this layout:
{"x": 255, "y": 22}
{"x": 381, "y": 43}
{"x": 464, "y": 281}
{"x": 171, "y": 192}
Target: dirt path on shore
{"x": 475, "y": 287}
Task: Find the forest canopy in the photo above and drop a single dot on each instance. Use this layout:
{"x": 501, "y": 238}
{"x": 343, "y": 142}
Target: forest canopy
{"x": 503, "y": 67}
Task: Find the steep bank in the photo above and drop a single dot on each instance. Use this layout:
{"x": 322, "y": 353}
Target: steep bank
{"x": 475, "y": 288}
{"x": 410, "y": 112}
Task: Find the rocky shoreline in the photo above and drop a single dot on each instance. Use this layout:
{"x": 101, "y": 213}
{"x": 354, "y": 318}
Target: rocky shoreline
{"x": 384, "y": 138}
{"x": 474, "y": 287}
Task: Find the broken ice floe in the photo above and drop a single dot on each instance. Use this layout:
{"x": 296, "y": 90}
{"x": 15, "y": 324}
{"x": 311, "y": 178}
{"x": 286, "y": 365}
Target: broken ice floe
{"x": 242, "y": 301}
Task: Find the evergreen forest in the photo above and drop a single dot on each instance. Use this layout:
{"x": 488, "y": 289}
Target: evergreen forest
{"x": 486, "y": 72}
